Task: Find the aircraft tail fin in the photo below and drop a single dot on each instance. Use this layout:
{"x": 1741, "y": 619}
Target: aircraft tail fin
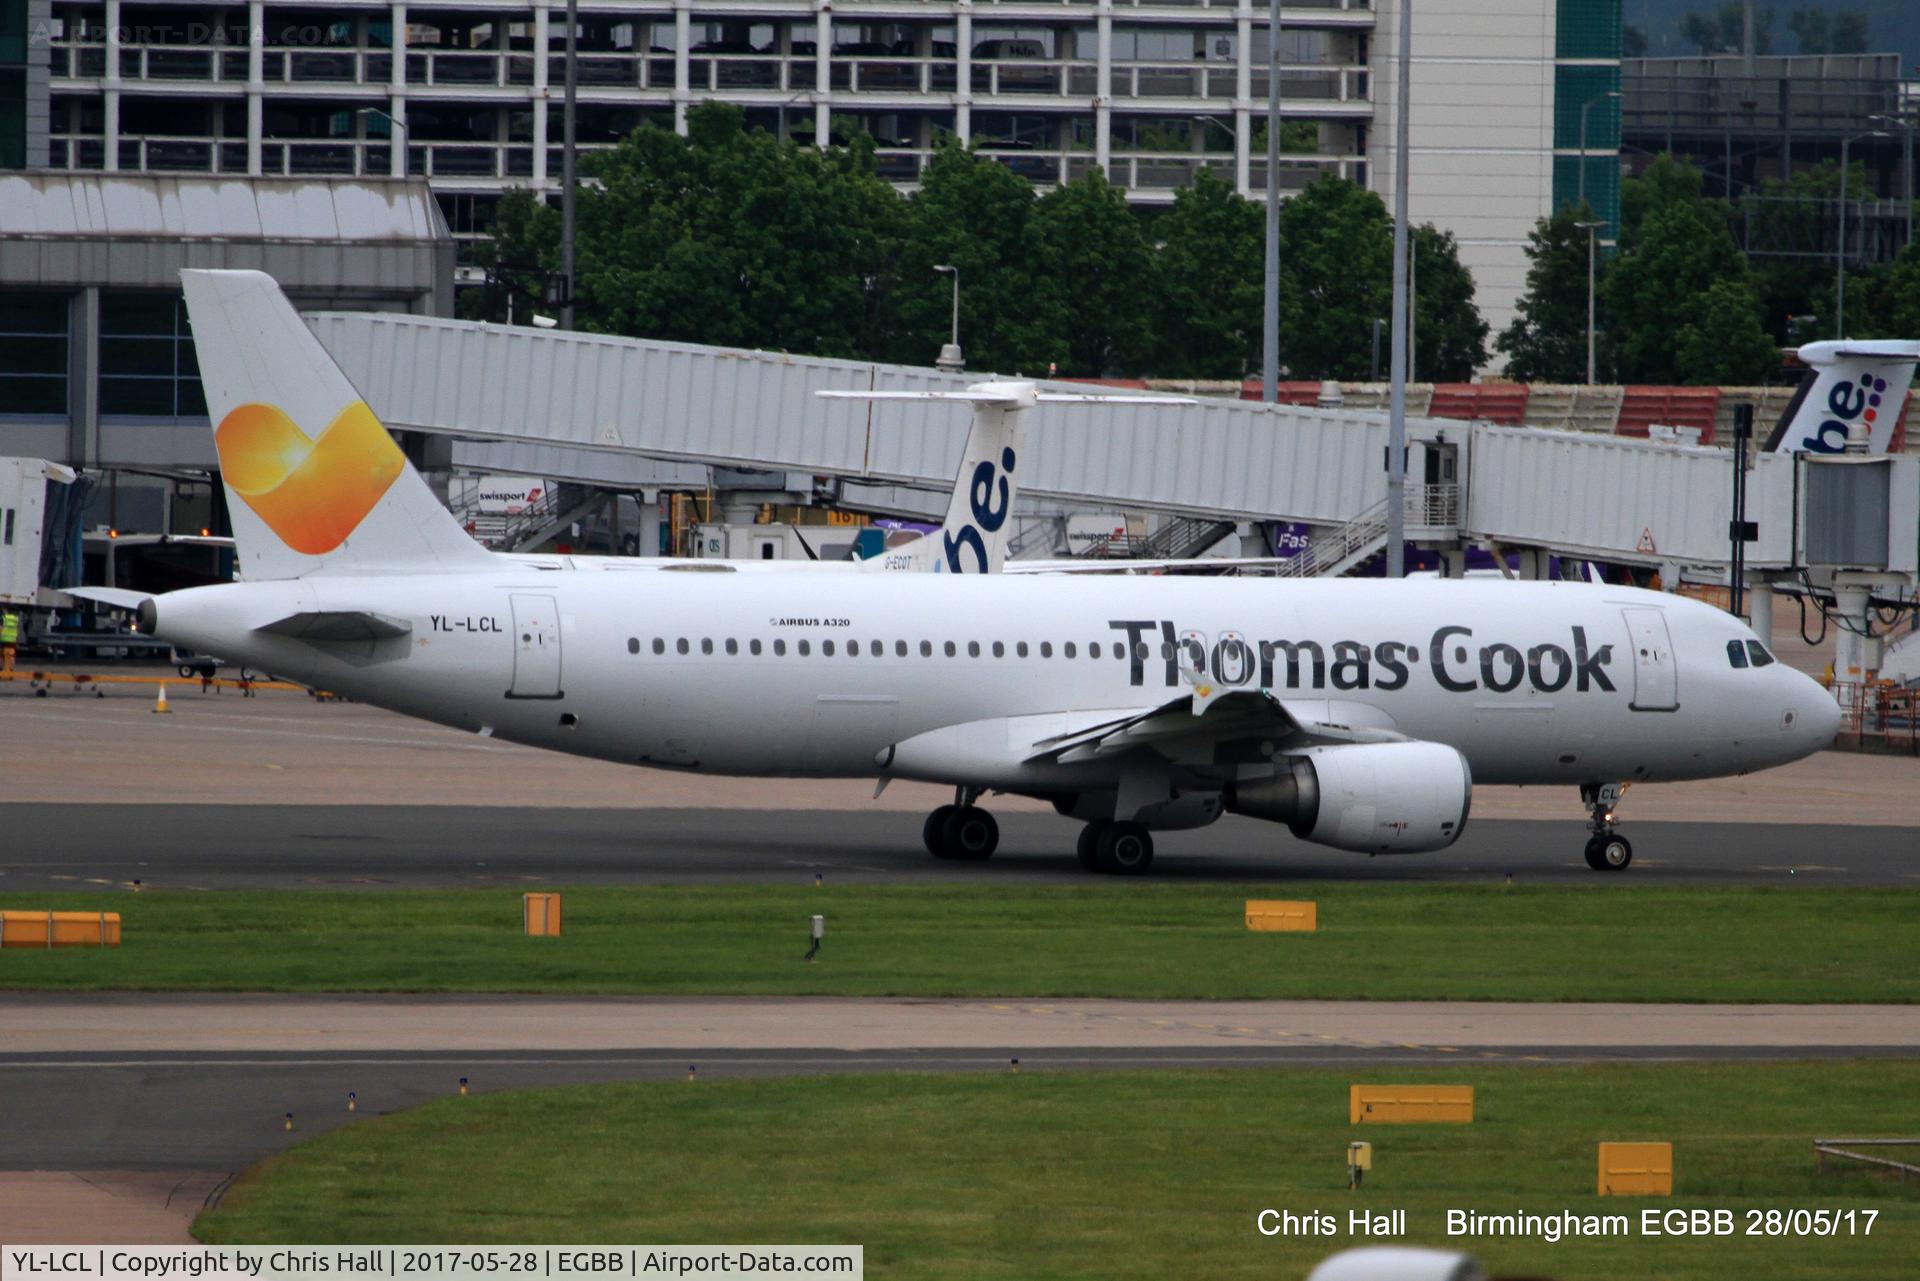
{"x": 972, "y": 539}
{"x": 314, "y": 482}
{"x": 1847, "y": 384}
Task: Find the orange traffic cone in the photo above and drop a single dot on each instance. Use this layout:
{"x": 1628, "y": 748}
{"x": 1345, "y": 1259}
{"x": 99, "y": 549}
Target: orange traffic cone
{"x": 160, "y": 704}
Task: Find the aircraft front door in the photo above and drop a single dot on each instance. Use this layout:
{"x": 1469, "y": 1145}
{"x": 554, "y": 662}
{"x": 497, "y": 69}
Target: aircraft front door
{"x": 1656, "y": 681}
{"x": 536, "y": 648}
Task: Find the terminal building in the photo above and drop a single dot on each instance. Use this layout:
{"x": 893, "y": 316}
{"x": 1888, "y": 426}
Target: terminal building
{"x": 1511, "y": 97}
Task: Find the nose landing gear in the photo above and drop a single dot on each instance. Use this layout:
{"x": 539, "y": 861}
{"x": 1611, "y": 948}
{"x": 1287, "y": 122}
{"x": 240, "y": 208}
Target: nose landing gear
{"x": 1607, "y": 850}
{"x": 961, "y": 831}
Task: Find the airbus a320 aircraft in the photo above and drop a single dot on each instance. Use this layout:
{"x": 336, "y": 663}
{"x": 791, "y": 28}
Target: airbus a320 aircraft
{"x": 1357, "y": 712}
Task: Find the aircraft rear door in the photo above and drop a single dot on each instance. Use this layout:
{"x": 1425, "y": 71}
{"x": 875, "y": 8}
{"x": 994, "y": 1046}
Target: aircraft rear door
{"x": 1656, "y": 681}
{"x": 536, "y": 648}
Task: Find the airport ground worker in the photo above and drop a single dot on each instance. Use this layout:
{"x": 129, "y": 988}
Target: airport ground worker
{"x": 9, "y": 638}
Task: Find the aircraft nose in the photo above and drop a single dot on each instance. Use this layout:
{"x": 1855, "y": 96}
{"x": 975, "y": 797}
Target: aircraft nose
{"x": 1818, "y": 713}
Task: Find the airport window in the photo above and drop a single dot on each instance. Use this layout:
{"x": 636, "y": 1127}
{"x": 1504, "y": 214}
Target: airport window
{"x": 147, "y": 364}
{"x": 1758, "y": 653}
{"x": 950, "y": 650}
{"x": 900, "y": 648}
{"x": 1067, "y": 652}
{"x": 999, "y": 650}
{"x": 33, "y": 353}
{"x": 826, "y": 648}
{"x": 706, "y": 645}
{"x": 733, "y": 646}
{"x": 973, "y": 649}
{"x": 633, "y": 644}
{"x": 753, "y": 647}
{"x": 779, "y": 649}
{"x": 1021, "y": 649}
{"x": 1736, "y": 653}
{"x": 659, "y": 646}
{"x": 926, "y": 649}
{"x": 681, "y": 645}
{"x": 803, "y": 649}
{"x": 1046, "y": 649}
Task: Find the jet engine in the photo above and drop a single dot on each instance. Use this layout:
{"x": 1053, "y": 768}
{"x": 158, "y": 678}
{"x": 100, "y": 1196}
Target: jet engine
{"x": 1376, "y": 798}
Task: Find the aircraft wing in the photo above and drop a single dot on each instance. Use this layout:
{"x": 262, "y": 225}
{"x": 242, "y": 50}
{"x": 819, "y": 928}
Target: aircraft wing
{"x": 1205, "y": 720}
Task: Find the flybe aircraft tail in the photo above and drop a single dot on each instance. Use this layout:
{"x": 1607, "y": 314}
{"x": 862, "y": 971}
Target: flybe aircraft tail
{"x": 973, "y": 537}
{"x": 314, "y": 482}
{"x": 1847, "y": 385}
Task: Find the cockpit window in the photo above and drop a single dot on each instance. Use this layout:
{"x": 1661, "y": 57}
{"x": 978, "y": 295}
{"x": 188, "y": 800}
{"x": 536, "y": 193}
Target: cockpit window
{"x": 1759, "y": 654}
{"x": 1736, "y": 653}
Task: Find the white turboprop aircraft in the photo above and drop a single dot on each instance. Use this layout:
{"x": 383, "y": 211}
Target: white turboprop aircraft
{"x": 1357, "y": 712}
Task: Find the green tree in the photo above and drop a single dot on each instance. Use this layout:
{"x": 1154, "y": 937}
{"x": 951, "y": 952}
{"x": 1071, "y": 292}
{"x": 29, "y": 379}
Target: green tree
{"x": 1790, "y": 233}
{"x": 735, "y": 238}
{"x": 1209, "y": 282}
{"x": 1849, "y": 32}
{"x": 1096, "y": 271}
{"x": 1724, "y": 29}
{"x": 520, "y": 258}
{"x": 1681, "y": 300}
{"x": 976, "y": 214}
{"x": 1883, "y": 301}
{"x": 1547, "y": 341}
{"x": 1449, "y": 336}
{"x": 1336, "y": 278}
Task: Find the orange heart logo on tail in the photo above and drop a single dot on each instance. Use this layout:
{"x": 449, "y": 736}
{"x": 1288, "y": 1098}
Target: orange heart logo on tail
{"x": 312, "y": 493}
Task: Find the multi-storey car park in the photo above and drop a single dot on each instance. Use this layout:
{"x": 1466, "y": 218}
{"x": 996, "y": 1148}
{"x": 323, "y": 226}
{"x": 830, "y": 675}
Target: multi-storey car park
{"x": 1152, "y": 91}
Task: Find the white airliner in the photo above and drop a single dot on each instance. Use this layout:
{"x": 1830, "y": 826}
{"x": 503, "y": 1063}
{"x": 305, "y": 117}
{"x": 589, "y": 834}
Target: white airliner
{"x": 1357, "y": 712}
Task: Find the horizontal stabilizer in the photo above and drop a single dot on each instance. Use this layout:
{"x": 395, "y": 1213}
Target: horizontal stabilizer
{"x": 117, "y": 597}
{"x": 1013, "y": 395}
{"x": 338, "y": 627}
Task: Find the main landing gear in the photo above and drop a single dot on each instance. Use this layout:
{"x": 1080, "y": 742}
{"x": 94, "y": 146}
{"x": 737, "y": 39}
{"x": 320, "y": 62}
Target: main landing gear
{"x": 1122, "y": 849}
{"x": 1607, "y": 850}
{"x": 962, "y": 830}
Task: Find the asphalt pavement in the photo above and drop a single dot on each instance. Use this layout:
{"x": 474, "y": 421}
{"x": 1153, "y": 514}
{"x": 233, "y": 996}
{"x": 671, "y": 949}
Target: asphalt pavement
{"x": 201, "y": 846}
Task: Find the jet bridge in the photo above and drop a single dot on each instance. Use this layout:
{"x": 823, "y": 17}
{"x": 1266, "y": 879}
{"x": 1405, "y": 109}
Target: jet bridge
{"x": 583, "y": 406}
{"x": 606, "y": 411}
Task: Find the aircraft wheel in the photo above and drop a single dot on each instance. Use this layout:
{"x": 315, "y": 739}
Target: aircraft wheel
{"x": 934, "y": 831}
{"x": 969, "y": 833}
{"x": 1088, "y": 846}
{"x": 1125, "y": 849}
{"x": 1609, "y": 853}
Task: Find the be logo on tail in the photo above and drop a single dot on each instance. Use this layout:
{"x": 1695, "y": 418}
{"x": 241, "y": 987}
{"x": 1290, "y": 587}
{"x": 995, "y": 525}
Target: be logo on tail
{"x": 1847, "y": 402}
{"x": 313, "y": 493}
{"x": 988, "y": 505}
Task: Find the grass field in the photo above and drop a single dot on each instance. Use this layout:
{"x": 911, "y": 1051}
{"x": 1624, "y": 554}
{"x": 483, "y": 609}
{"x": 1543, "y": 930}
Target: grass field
{"x": 1632, "y": 943}
{"x": 1120, "y": 1174}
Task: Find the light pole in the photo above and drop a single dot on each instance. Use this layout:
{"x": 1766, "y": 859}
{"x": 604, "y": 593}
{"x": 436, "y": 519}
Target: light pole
{"x": 1402, "y": 312}
{"x": 1840, "y": 236}
{"x": 1584, "y": 108}
{"x": 567, "y": 157}
{"x": 1905, "y": 124}
{"x": 950, "y": 357}
{"x": 1592, "y": 229}
{"x": 1270, "y": 316}
{"x": 399, "y": 125}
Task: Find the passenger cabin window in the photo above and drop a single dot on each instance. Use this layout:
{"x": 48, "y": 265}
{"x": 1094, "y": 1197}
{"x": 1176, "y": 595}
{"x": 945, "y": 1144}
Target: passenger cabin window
{"x": 1020, "y": 649}
{"x": 1736, "y": 653}
{"x": 680, "y": 646}
{"x": 779, "y": 649}
{"x": 900, "y": 649}
{"x": 999, "y": 650}
{"x": 706, "y": 645}
{"x": 733, "y": 646}
{"x": 973, "y": 649}
{"x": 659, "y": 646}
{"x": 826, "y": 648}
{"x": 804, "y": 648}
{"x": 1068, "y": 650}
{"x": 1758, "y": 653}
{"x": 753, "y": 647}
{"x": 926, "y": 649}
{"x": 950, "y": 650}
{"x": 633, "y": 644}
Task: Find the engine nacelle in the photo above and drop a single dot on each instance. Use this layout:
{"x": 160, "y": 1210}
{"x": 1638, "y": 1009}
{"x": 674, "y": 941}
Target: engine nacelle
{"x": 1376, "y": 798}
